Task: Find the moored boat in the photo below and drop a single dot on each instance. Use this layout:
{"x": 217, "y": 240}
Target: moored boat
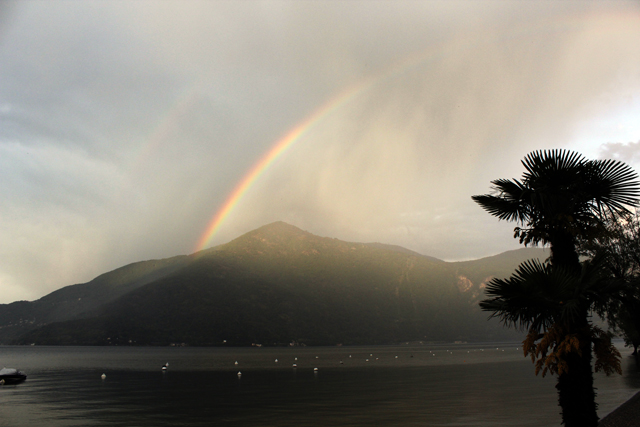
{"x": 11, "y": 376}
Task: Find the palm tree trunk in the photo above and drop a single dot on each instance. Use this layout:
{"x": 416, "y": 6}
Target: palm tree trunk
{"x": 576, "y": 395}
{"x": 563, "y": 251}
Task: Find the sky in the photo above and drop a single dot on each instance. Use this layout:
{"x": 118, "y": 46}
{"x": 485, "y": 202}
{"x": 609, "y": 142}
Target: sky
{"x": 134, "y": 130}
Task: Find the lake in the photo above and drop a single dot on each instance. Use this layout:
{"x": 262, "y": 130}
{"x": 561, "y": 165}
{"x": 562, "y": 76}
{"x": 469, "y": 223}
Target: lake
{"x": 411, "y": 385}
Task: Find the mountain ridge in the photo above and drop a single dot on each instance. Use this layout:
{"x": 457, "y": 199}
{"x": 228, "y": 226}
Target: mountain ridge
{"x": 276, "y": 284}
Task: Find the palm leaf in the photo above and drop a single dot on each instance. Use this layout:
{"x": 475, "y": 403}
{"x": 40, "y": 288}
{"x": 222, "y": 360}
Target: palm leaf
{"x": 506, "y": 201}
{"x": 533, "y": 297}
{"x": 612, "y": 185}
{"x": 561, "y": 190}
{"x": 538, "y": 295}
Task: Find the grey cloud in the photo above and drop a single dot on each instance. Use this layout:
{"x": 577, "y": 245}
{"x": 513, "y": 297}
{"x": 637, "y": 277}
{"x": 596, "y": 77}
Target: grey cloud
{"x": 628, "y": 152}
{"x": 124, "y": 126}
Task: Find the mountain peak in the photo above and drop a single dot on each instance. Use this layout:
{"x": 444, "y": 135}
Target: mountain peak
{"x": 278, "y": 236}
{"x": 279, "y": 228}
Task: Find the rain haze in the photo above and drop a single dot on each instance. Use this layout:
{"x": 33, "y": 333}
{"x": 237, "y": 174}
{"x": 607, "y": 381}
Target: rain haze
{"x": 140, "y": 130}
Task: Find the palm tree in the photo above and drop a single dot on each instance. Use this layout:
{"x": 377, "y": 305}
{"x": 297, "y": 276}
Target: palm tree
{"x": 561, "y": 199}
{"x": 549, "y": 302}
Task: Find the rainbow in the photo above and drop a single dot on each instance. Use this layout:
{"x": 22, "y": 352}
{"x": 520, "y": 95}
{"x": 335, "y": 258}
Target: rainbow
{"x": 277, "y": 150}
{"x": 165, "y": 126}
{"x": 294, "y": 135}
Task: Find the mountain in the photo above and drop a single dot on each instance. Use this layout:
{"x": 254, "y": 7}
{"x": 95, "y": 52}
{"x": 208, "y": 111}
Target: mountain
{"x": 274, "y": 285}
{"x": 77, "y": 301}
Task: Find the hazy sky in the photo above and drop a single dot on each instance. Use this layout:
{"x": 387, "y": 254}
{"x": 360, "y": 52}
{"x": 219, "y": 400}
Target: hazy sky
{"x": 126, "y": 125}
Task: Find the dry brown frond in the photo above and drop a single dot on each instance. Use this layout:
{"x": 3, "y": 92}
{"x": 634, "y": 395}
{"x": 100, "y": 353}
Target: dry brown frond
{"x": 607, "y": 356}
{"x": 549, "y": 350}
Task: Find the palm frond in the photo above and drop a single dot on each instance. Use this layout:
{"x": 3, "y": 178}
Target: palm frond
{"x": 538, "y": 295}
{"x": 561, "y": 190}
{"x": 531, "y": 298}
{"x": 506, "y": 201}
{"x": 543, "y": 163}
{"x": 612, "y": 185}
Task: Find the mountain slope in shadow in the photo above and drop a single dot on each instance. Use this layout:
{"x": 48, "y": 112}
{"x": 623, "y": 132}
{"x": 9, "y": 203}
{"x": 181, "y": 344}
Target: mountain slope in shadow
{"x": 274, "y": 285}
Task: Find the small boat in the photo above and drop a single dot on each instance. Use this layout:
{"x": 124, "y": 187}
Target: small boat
{"x": 11, "y": 376}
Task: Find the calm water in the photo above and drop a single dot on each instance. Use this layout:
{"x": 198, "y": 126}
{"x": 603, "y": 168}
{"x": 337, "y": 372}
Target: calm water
{"x": 451, "y": 385}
